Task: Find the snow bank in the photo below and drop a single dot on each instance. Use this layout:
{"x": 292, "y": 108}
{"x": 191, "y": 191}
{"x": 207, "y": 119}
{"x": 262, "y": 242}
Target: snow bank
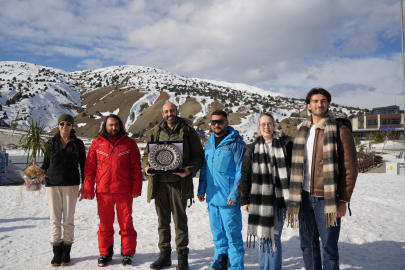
{"x": 108, "y": 113}
{"x": 149, "y": 98}
{"x": 372, "y": 238}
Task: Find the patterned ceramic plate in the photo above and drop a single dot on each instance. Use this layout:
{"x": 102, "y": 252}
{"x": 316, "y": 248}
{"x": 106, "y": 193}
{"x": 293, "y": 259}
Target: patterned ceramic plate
{"x": 165, "y": 157}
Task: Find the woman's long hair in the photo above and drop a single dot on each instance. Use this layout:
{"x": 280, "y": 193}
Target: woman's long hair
{"x": 103, "y": 131}
{"x": 72, "y": 136}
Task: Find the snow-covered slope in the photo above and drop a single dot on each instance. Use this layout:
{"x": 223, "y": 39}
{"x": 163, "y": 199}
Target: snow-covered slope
{"x": 29, "y": 90}
{"x": 32, "y": 91}
{"x": 242, "y": 87}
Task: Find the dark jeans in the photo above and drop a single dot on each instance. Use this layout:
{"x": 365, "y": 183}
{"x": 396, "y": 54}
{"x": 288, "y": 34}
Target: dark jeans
{"x": 312, "y": 226}
{"x": 270, "y": 259}
{"x": 168, "y": 202}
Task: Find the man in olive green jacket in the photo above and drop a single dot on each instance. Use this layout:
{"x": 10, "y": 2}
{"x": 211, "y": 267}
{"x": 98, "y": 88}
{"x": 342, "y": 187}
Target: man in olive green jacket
{"x": 172, "y": 190}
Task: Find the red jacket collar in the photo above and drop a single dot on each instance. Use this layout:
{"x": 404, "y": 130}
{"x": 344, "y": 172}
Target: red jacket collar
{"x": 110, "y": 141}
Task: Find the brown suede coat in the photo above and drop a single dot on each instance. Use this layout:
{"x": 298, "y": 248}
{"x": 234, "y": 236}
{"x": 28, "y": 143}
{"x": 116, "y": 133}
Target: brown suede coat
{"x": 348, "y": 164}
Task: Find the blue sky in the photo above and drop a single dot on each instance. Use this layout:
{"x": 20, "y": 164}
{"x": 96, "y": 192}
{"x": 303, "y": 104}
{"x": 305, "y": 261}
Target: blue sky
{"x": 352, "y": 48}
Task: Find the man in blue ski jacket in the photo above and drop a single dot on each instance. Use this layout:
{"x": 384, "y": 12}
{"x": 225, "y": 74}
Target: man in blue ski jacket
{"x": 219, "y": 180}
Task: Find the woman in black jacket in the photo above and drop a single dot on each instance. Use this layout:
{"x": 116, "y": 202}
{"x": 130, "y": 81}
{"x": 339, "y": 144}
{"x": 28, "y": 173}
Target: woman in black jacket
{"x": 61, "y": 163}
{"x": 264, "y": 190}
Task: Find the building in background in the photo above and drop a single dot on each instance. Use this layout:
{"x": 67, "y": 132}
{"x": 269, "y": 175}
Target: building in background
{"x": 389, "y": 119}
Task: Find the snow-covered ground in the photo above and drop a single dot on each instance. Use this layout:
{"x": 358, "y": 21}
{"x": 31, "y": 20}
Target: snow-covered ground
{"x": 388, "y": 150}
{"x": 388, "y": 145}
{"x": 372, "y": 238}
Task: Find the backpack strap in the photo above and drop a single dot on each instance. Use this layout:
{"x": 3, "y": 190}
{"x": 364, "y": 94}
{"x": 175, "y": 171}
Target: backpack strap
{"x": 189, "y": 147}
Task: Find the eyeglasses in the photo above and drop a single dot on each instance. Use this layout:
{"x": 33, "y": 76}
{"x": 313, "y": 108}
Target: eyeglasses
{"x": 67, "y": 124}
{"x": 219, "y": 122}
{"x": 270, "y": 125}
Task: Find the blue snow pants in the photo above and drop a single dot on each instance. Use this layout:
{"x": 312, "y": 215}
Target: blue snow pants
{"x": 226, "y": 228}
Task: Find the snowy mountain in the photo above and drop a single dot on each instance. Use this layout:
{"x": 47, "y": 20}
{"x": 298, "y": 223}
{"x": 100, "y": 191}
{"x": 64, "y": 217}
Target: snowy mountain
{"x": 29, "y": 90}
{"x": 137, "y": 94}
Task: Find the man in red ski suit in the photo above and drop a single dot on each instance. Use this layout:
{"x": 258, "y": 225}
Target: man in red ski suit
{"x": 114, "y": 163}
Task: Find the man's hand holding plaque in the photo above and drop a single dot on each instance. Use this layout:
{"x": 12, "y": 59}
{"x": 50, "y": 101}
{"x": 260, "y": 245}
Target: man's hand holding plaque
{"x": 147, "y": 171}
{"x": 183, "y": 174}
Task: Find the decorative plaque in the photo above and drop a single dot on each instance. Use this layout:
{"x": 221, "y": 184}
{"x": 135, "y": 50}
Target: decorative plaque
{"x": 165, "y": 157}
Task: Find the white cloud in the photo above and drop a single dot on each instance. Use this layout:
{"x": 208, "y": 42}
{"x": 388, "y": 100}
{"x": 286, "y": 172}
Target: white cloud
{"x": 66, "y": 51}
{"x": 182, "y": 12}
{"x": 270, "y": 35}
{"x": 312, "y": 77}
{"x": 285, "y": 46}
{"x": 137, "y": 5}
{"x": 366, "y": 82}
{"x": 90, "y": 64}
{"x": 35, "y": 25}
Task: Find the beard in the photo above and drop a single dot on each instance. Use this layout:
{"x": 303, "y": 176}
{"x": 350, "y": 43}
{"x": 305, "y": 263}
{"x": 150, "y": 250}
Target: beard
{"x": 171, "y": 121}
{"x": 221, "y": 132}
{"x": 113, "y": 133}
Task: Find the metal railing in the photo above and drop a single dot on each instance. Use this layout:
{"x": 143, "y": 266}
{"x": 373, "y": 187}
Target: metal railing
{"x": 365, "y": 160}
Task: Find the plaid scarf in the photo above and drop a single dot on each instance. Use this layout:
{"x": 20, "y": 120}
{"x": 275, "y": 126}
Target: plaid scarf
{"x": 330, "y": 171}
{"x": 268, "y": 174}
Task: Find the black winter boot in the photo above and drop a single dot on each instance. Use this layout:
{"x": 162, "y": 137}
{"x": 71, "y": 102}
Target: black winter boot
{"x": 104, "y": 259}
{"x": 66, "y": 247}
{"x": 57, "y": 254}
{"x": 182, "y": 258}
{"x": 126, "y": 260}
{"x": 164, "y": 260}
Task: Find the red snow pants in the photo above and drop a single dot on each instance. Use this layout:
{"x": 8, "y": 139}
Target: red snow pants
{"x": 105, "y": 206}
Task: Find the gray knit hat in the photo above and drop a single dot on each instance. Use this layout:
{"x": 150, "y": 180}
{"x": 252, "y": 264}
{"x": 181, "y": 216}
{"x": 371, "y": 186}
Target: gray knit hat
{"x": 66, "y": 117}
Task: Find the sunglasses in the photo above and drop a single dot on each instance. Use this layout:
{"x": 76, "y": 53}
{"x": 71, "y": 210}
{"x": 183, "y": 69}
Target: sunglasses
{"x": 219, "y": 122}
{"x": 67, "y": 124}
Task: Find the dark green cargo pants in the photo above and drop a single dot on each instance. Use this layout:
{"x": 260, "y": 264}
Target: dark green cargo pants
{"x": 168, "y": 201}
